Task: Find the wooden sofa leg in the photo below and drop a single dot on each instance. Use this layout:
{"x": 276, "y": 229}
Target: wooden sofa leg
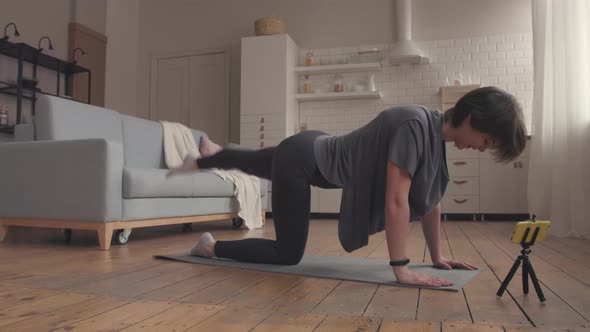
{"x": 105, "y": 234}
{"x": 263, "y": 217}
{"x": 3, "y": 231}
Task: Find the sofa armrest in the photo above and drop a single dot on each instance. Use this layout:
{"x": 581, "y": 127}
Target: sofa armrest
{"x": 64, "y": 179}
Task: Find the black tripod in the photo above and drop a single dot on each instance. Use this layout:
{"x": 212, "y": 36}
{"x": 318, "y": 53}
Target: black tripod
{"x": 527, "y": 268}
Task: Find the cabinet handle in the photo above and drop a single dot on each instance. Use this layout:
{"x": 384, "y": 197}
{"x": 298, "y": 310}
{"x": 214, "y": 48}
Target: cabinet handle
{"x": 461, "y": 182}
{"x": 262, "y": 120}
{"x": 514, "y": 165}
{"x": 520, "y": 164}
{"x": 460, "y": 163}
{"x": 262, "y": 128}
{"x": 460, "y": 201}
{"x": 262, "y": 136}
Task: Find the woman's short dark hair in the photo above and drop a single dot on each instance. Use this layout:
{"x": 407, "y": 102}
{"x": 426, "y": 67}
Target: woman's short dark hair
{"x": 494, "y": 112}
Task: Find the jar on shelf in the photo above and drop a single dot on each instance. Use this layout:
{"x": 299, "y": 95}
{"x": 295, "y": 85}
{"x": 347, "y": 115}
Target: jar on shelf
{"x": 307, "y": 85}
{"x": 3, "y": 116}
{"x": 371, "y": 82}
{"x": 458, "y": 79}
{"x": 338, "y": 83}
{"x": 309, "y": 59}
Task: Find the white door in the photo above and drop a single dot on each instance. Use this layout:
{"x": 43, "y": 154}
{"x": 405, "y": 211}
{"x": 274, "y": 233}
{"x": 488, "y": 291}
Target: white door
{"x": 193, "y": 90}
{"x": 172, "y": 86}
{"x": 208, "y": 103}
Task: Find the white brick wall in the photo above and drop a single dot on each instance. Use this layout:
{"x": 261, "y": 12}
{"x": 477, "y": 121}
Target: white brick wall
{"x": 505, "y": 61}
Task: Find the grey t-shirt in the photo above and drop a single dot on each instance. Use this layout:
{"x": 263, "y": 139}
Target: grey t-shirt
{"x": 411, "y": 137}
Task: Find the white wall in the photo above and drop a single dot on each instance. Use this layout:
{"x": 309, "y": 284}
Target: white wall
{"x": 34, "y": 19}
{"x": 181, "y": 25}
{"x": 122, "y": 23}
{"x": 28, "y": 15}
{"x": 502, "y": 60}
{"x": 435, "y": 19}
{"x": 91, "y": 13}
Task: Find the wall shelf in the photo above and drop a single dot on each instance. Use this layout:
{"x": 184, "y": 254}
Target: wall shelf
{"x": 32, "y": 55}
{"x": 344, "y": 68}
{"x": 337, "y": 96}
{"x": 25, "y": 53}
{"x": 7, "y": 129}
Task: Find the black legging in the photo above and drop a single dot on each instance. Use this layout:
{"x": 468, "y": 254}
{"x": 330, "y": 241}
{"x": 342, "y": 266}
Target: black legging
{"x": 292, "y": 168}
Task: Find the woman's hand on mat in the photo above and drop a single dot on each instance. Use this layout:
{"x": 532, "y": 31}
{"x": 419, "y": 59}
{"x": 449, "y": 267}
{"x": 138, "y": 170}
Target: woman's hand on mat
{"x": 449, "y": 264}
{"x": 406, "y": 276}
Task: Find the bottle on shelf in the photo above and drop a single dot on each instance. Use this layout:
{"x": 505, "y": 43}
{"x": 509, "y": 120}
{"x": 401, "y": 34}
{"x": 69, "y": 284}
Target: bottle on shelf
{"x": 3, "y": 116}
{"x": 309, "y": 59}
{"x": 371, "y": 82}
{"x": 458, "y": 79}
{"x": 307, "y": 85}
{"x": 338, "y": 83}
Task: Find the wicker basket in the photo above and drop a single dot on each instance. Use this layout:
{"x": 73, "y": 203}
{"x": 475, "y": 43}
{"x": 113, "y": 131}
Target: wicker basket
{"x": 269, "y": 26}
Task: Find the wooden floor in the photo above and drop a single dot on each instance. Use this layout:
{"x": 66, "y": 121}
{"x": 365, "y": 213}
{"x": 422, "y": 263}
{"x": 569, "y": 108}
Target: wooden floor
{"x": 47, "y": 285}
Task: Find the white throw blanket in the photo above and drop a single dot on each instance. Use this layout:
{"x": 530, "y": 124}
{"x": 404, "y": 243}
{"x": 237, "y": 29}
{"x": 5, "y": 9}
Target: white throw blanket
{"x": 179, "y": 142}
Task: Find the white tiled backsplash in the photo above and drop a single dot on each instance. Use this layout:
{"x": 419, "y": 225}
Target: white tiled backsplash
{"x": 505, "y": 61}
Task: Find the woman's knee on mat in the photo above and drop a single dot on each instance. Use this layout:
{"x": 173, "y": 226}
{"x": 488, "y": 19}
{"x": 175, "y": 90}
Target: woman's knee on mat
{"x": 291, "y": 257}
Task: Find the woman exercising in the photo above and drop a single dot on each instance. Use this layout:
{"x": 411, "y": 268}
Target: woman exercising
{"x": 392, "y": 170}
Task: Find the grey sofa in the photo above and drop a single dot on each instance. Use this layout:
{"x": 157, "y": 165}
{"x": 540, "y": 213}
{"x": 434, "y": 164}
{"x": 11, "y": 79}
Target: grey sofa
{"x": 92, "y": 168}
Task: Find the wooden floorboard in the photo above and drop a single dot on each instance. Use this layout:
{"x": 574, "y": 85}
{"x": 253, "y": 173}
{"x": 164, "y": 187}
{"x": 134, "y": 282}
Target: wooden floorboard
{"x": 47, "y": 285}
{"x": 397, "y": 303}
{"x": 568, "y": 290}
{"x": 556, "y": 312}
{"x": 436, "y": 305}
{"x": 480, "y": 293}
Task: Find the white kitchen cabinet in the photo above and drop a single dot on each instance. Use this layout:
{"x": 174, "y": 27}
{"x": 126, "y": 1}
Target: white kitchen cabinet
{"x": 329, "y": 200}
{"x": 462, "y": 195}
{"x": 315, "y": 199}
{"x": 478, "y": 184}
{"x": 503, "y": 186}
{"x": 268, "y": 109}
{"x": 325, "y": 200}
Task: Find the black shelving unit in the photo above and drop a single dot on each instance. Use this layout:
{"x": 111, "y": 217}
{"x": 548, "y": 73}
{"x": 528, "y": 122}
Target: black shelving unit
{"x": 25, "y": 53}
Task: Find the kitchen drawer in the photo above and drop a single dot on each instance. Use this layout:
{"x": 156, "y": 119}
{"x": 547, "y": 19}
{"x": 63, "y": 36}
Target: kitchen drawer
{"x": 250, "y": 142}
{"x": 463, "y": 186}
{"x": 455, "y": 153}
{"x": 260, "y": 143}
{"x": 261, "y": 119}
{"x": 460, "y": 204}
{"x": 463, "y": 167}
{"x": 268, "y": 133}
{"x": 261, "y": 127}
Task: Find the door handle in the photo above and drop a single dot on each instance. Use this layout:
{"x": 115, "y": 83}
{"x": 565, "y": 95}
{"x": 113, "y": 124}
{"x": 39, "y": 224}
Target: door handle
{"x": 460, "y": 201}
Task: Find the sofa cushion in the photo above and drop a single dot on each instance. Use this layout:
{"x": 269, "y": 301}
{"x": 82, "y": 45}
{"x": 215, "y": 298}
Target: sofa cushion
{"x": 63, "y": 119}
{"x": 151, "y": 183}
{"x": 143, "y": 143}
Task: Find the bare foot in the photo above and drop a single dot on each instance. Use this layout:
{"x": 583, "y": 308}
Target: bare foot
{"x": 205, "y": 247}
{"x": 208, "y": 148}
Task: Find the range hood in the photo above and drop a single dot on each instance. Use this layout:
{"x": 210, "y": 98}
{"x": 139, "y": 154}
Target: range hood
{"x": 405, "y": 50}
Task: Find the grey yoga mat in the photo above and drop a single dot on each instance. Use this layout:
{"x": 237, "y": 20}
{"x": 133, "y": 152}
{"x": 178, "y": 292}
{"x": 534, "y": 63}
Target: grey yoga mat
{"x": 340, "y": 267}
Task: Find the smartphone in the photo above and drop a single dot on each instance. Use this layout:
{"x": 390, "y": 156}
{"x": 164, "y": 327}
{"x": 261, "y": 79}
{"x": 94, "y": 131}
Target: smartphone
{"x": 521, "y": 227}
